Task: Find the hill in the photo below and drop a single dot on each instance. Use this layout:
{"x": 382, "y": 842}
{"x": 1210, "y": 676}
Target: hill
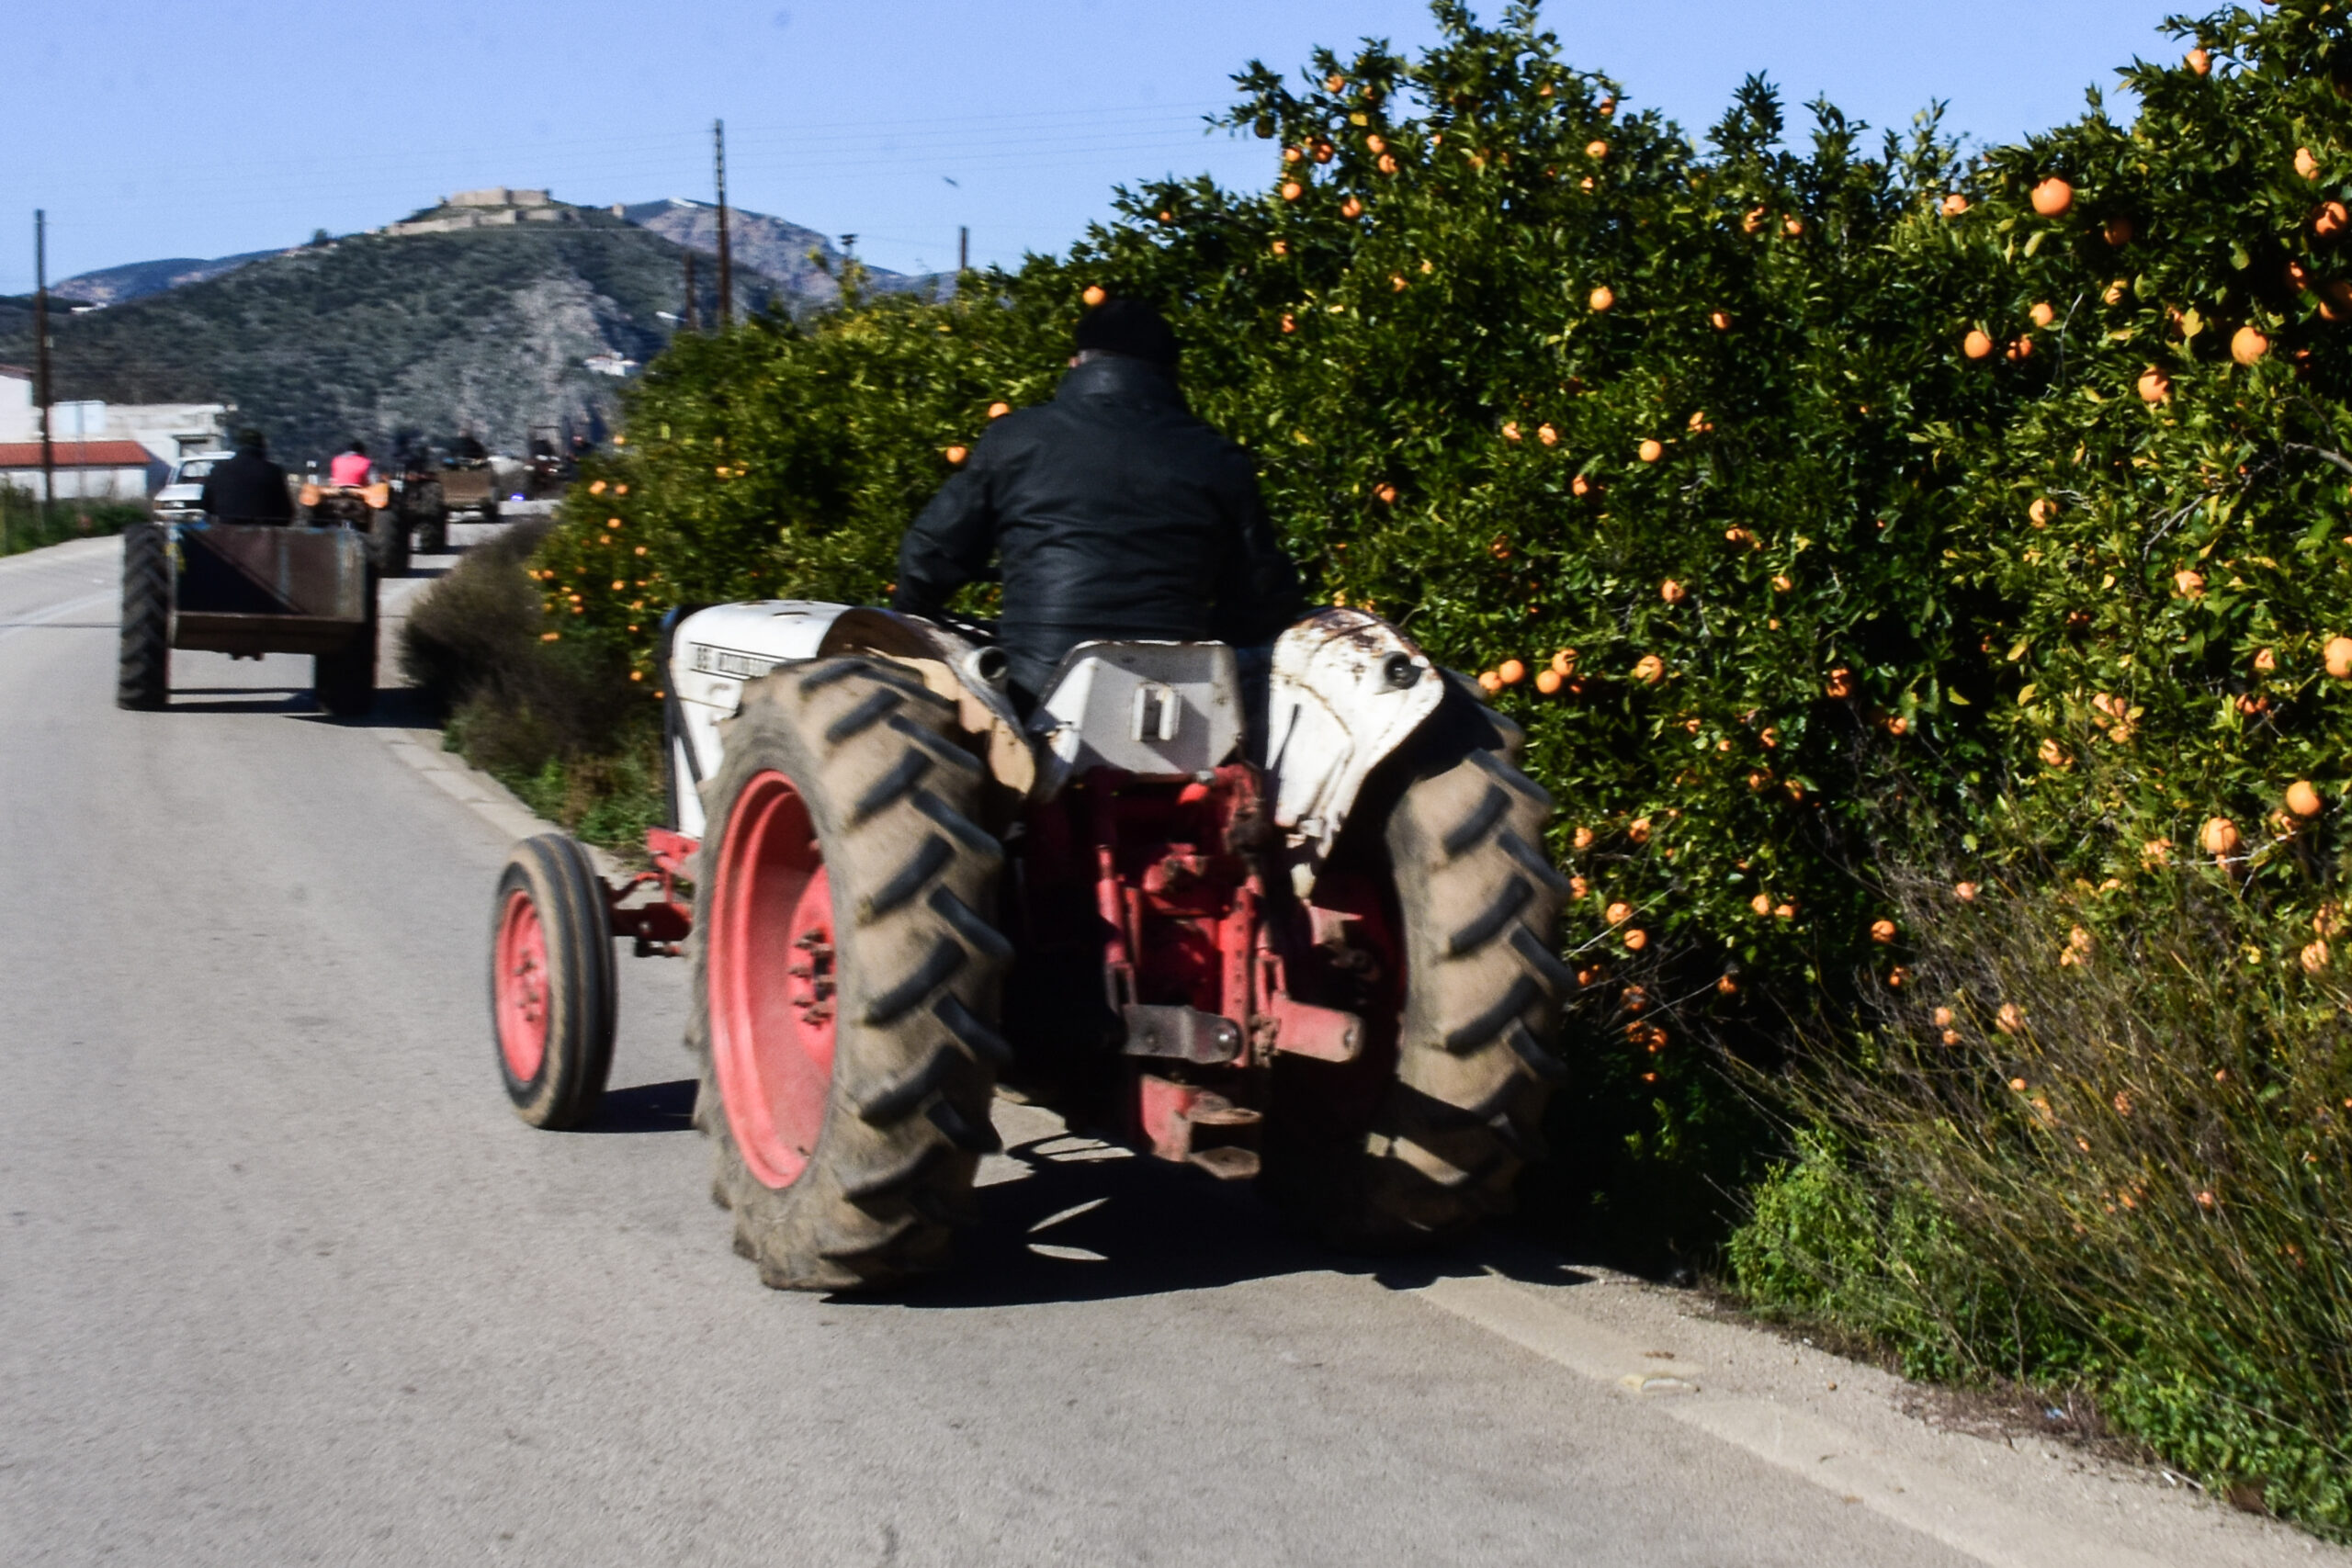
{"x": 136, "y": 280}
{"x": 378, "y": 335}
{"x": 756, "y": 242}
{"x": 467, "y": 316}
{"x": 775, "y": 248}
{"x": 484, "y": 329}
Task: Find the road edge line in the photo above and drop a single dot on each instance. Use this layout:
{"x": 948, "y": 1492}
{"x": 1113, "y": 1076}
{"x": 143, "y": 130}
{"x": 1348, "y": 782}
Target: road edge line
{"x": 1967, "y": 1518}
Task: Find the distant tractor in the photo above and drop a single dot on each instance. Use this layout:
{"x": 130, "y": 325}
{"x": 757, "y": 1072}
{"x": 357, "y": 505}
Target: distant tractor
{"x": 247, "y": 590}
{"x": 417, "y": 497}
{"x": 366, "y": 509}
{"x": 469, "y": 491}
{"x": 1297, "y": 928}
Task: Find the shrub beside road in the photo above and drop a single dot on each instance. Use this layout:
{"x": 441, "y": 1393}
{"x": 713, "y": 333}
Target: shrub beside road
{"x": 1925, "y": 581}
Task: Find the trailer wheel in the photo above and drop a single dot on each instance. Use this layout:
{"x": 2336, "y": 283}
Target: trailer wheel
{"x": 1426, "y": 1135}
{"x": 388, "y": 542}
{"x": 345, "y": 682}
{"x": 846, "y": 975}
{"x": 144, "y": 678}
{"x": 551, "y": 983}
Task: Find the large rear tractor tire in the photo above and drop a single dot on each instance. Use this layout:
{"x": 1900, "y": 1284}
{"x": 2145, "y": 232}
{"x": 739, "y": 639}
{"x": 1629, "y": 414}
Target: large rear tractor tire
{"x": 1475, "y": 906}
{"x": 846, "y": 977}
{"x": 144, "y": 679}
{"x": 345, "y": 682}
{"x": 433, "y": 534}
{"x": 552, "y": 994}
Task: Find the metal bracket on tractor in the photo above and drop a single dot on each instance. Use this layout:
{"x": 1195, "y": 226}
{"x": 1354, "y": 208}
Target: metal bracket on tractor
{"x": 657, "y": 927}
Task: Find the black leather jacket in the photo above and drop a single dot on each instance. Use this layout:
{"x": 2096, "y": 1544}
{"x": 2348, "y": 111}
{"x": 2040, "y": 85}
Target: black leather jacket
{"x": 1113, "y": 513}
{"x": 248, "y": 487}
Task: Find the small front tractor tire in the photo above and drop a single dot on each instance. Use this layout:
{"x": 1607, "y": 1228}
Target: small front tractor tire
{"x": 846, "y": 977}
{"x": 552, "y": 996}
{"x": 144, "y": 680}
{"x": 1478, "y": 905}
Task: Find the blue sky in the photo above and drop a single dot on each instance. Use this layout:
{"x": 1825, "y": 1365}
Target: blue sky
{"x": 158, "y": 128}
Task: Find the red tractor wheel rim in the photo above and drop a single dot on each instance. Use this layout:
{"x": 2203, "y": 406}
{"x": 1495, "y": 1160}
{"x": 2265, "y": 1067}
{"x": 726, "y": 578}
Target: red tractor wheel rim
{"x": 522, "y": 987}
{"x": 772, "y": 979}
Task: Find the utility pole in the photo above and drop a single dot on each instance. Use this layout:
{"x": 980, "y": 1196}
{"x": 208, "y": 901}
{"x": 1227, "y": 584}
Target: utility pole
{"x": 963, "y": 247}
{"x": 726, "y": 259}
{"x": 689, "y": 323}
{"x": 41, "y": 354}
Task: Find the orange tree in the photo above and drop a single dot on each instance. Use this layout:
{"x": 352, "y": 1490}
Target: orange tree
{"x": 1793, "y": 496}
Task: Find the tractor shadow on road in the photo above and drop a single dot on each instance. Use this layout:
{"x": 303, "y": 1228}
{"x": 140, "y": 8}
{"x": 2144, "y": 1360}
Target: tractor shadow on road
{"x": 397, "y": 707}
{"x": 646, "y": 1107}
{"x": 294, "y": 700}
{"x": 1085, "y": 1223}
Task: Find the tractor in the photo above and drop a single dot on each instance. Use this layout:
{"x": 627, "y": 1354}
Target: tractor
{"x": 247, "y": 589}
{"x": 367, "y": 510}
{"x": 1282, "y": 916}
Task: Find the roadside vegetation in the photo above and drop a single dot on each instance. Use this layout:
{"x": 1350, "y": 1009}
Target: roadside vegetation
{"x": 27, "y": 523}
{"x": 1926, "y": 581}
{"x": 556, "y": 722}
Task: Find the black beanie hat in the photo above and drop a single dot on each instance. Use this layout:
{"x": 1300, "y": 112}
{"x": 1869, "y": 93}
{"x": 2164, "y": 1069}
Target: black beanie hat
{"x": 1128, "y": 327}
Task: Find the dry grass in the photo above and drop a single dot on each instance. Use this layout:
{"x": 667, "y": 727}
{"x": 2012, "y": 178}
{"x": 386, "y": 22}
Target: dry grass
{"x": 2099, "y": 1142}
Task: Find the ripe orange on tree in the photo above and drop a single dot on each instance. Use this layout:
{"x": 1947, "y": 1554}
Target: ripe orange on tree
{"x": 2053, "y": 198}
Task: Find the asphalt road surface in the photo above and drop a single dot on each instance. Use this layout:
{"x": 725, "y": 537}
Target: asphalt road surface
{"x": 282, "y": 1280}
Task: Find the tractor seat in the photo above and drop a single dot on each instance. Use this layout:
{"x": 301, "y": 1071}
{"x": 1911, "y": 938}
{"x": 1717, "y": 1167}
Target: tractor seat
{"x": 1155, "y": 710}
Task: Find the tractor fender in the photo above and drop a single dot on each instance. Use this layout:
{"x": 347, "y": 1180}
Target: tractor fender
{"x": 713, "y": 653}
{"x": 1347, "y": 689}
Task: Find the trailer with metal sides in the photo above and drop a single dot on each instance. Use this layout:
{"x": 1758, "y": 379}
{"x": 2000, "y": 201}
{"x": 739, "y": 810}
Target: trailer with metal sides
{"x": 247, "y": 590}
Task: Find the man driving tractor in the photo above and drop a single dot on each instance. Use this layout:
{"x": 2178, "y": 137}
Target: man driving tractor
{"x": 1112, "y": 512}
{"x": 248, "y": 487}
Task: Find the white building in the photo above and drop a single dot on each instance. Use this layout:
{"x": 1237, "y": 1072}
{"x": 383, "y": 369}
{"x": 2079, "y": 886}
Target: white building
{"x": 101, "y": 436}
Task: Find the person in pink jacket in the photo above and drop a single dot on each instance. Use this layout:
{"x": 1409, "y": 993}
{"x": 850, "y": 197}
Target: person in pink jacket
{"x": 350, "y": 466}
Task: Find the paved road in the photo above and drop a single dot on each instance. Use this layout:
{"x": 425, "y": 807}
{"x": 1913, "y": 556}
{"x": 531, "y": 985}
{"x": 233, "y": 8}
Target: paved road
{"x": 282, "y": 1280}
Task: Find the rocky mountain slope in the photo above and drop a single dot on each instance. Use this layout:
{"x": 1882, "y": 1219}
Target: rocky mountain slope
{"x": 487, "y": 331}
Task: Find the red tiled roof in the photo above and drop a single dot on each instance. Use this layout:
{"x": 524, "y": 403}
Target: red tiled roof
{"x": 76, "y": 455}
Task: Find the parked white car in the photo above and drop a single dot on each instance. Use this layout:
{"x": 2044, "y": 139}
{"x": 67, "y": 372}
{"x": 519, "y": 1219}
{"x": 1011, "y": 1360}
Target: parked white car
{"x": 182, "y": 498}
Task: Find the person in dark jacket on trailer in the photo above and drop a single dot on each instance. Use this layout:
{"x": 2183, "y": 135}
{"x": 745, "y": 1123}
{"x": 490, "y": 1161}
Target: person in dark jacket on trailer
{"x": 1112, "y": 512}
{"x": 248, "y": 487}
